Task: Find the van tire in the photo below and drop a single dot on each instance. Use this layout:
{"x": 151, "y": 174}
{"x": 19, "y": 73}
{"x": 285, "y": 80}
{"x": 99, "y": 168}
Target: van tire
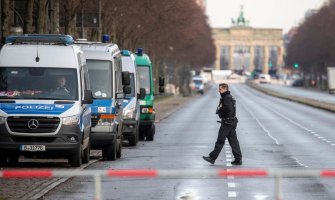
{"x": 76, "y": 158}
{"x": 109, "y": 151}
{"x": 151, "y": 133}
{"x": 119, "y": 152}
{"x": 141, "y": 135}
{"x": 134, "y": 140}
{"x": 86, "y": 153}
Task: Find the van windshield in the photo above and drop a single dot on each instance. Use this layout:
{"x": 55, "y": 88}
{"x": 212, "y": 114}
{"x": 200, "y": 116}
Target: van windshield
{"x": 197, "y": 82}
{"x": 100, "y": 78}
{"x": 144, "y": 77}
{"x": 38, "y": 83}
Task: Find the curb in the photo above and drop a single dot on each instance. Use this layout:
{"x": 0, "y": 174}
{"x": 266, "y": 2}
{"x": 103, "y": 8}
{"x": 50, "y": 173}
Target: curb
{"x": 50, "y": 185}
{"x": 310, "y": 102}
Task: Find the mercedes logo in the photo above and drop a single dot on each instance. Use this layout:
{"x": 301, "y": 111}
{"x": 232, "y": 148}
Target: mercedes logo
{"x": 33, "y": 124}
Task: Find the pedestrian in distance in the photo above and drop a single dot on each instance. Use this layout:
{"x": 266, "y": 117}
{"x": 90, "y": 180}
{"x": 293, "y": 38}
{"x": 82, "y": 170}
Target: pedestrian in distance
{"x": 227, "y": 113}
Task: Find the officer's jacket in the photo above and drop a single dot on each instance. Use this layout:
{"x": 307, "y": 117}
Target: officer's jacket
{"x": 227, "y": 106}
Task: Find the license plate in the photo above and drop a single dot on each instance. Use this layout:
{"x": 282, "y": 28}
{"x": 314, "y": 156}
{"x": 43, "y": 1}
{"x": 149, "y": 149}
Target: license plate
{"x": 32, "y": 147}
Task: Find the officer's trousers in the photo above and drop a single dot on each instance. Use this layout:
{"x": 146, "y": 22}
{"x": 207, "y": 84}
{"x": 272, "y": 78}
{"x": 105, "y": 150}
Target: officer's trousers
{"x": 227, "y": 131}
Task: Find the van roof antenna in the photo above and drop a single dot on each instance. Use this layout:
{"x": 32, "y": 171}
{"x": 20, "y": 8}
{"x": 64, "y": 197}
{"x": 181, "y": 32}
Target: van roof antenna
{"x": 37, "y": 59}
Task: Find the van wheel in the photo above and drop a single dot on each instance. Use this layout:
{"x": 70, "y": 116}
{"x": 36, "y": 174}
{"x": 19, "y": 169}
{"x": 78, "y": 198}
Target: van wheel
{"x": 75, "y": 159}
{"x": 133, "y": 141}
{"x": 86, "y": 154}
{"x": 141, "y": 134}
{"x": 13, "y": 160}
{"x": 150, "y": 133}
{"x": 119, "y": 152}
{"x": 109, "y": 151}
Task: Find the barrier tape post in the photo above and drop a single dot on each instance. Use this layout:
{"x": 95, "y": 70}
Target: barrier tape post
{"x": 97, "y": 183}
{"x": 278, "y": 187}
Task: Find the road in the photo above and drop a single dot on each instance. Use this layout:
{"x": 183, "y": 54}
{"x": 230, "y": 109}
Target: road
{"x": 302, "y": 92}
{"x": 273, "y": 133}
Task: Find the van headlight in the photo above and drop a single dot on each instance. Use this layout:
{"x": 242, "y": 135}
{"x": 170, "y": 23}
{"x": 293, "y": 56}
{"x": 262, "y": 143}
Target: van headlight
{"x": 71, "y": 120}
{"x": 147, "y": 110}
{"x": 2, "y": 120}
{"x": 129, "y": 113}
{"x": 106, "y": 120}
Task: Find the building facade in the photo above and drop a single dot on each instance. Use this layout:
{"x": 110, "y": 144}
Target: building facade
{"x": 244, "y": 48}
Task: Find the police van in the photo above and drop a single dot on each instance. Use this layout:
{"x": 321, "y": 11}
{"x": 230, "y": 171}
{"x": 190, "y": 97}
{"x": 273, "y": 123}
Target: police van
{"x": 44, "y": 99}
{"x": 109, "y": 86}
{"x": 131, "y": 106}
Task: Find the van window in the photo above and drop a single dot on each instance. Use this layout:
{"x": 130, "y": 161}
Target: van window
{"x": 118, "y": 75}
{"x": 132, "y": 85}
{"x": 38, "y": 83}
{"x": 144, "y": 78}
{"x": 100, "y": 78}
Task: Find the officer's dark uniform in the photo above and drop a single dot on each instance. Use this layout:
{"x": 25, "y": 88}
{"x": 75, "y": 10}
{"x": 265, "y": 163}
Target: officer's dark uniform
{"x": 227, "y": 112}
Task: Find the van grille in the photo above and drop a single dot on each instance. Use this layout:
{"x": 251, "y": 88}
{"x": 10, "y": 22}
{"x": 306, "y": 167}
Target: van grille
{"x": 33, "y": 124}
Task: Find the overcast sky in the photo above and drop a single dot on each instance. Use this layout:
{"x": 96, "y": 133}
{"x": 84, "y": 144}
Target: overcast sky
{"x": 261, "y": 13}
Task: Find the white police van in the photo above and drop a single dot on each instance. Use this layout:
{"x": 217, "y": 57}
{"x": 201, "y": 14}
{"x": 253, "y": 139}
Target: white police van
{"x": 131, "y": 106}
{"x": 44, "y": 97}
{"x": 109, "y": 86}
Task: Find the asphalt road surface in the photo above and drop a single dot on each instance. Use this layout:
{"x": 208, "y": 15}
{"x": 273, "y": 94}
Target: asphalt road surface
{"x": 273, "y": 133}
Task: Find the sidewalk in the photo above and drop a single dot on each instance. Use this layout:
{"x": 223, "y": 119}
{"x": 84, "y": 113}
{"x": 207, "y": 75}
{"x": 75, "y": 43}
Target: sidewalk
{"x": 35, "y": 188}
{"x": 318, "y": 99}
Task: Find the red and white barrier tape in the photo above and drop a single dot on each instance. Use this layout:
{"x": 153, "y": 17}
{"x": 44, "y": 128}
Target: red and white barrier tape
{"x": 143, "y": 173}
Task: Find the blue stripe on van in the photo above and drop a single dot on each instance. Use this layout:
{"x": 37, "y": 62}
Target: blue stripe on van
{"x": 47, "y": 109}
{"x": 103, "y": 106}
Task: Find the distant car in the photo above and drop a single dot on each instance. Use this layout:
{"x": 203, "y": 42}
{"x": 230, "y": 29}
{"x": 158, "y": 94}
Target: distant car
{"x": 298, "y": 83}
{"x": 197, "y": 84}
{"x": 264, "y": 78}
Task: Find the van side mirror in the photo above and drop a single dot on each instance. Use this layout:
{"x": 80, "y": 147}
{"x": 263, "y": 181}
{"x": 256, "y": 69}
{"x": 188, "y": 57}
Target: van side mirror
{"x": 142, "y": 94}
{"x": 125, "y": 78}
{"x": 161, "y": 81}
{"x": 127, "y": 89}
{"x": 88, "y": 97}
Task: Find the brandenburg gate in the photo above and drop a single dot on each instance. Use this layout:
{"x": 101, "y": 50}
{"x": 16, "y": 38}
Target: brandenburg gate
{"x": 242, "y": 47}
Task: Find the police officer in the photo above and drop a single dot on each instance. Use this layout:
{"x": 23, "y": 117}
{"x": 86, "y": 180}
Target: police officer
{"x": 61, "y": 87}
{"x": 227, "y": 112}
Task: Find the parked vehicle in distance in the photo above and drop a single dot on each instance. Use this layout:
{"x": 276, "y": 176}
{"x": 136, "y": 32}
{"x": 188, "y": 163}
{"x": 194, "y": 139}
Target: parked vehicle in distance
{"x": 147, "y": 115}
{"x": 298, "y": 83}
{"x": 197, "y": 84}
{"x": 331, "y": 79}
{"x": 45, "y": 95}
{"x": 264, "y": 78}
{"x": 131, "y": 105}
{"x": 109, "y": 87}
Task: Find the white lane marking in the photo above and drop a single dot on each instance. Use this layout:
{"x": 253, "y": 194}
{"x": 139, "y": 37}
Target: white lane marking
{"x": 288, "y": 119}
{"x": 329, "y": 141}
{"x": 228, "y": 156}
{"x": 333, "y": 144}
{"x": 320, "y": 137}
{"x": 317, "y": 135}
{"x": 228, "y": 151}
{"x": 324, "y": 139}
{"x": 297, "y": 161}
{"x": 229, "y": 159}
{"x": 232, "y": 194}
{"x": 231, "y": 185}
{"x": 260, "y": 124}
{"x": 229, "y": 165}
